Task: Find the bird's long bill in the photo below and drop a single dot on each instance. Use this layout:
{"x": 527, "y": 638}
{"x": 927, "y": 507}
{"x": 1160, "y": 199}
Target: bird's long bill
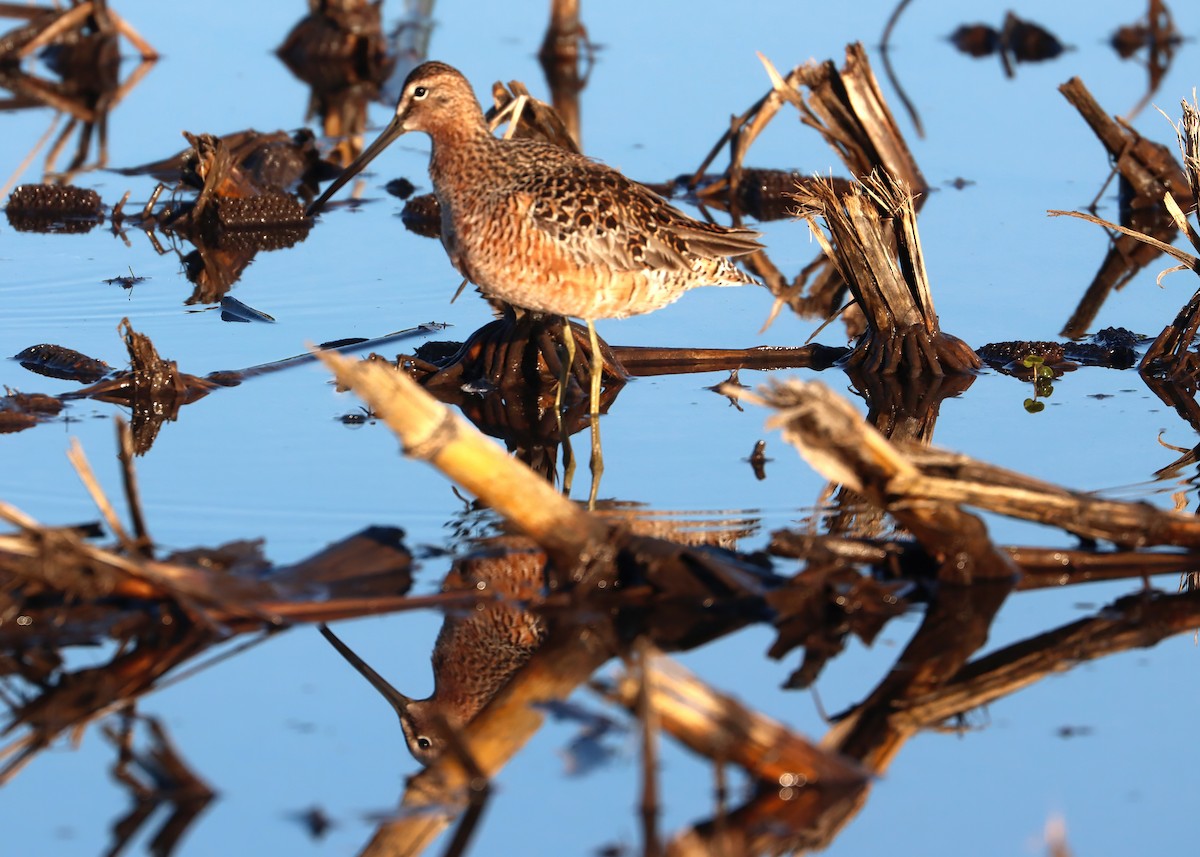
{"x": 390, "y": 133}
{"x": 394, "y": 697}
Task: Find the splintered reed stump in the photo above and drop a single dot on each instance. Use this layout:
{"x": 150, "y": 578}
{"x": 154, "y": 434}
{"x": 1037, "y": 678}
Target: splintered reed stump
{"x": 873, "y": 241}
{"x": 848, "y": 108}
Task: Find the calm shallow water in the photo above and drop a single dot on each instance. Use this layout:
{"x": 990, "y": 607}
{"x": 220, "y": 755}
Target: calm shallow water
{"x": 286, "y": 726}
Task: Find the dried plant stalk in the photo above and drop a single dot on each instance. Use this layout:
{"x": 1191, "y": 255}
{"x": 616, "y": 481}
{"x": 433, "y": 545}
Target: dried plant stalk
{"x": 1146, "y": 166}
{"x": 919, "y": 485}
{"x": 890, "y": 286}
{"x": 1169, "y": 356}
{"x": 430, "y": 431}
{"x": 848, "y": 108}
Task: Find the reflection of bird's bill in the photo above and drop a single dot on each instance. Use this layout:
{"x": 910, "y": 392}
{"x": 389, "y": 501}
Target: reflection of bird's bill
{"x": 395, "y": 698}
{"x": 390, "y": 133}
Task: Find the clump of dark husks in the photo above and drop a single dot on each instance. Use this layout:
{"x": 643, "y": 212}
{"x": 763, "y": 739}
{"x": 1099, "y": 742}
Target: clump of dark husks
{"x": 239, "y": 189}
{"x": 53, "y": 208}
{"x": 244, "y": 202}
{"x": 1017, "y": 40}
{"x": 246, "y": 162}
{"x": 55, "y": 361}
{"x": 1112, "y": 348}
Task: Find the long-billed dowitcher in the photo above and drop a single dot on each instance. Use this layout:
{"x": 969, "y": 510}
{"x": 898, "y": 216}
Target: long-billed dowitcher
{"x": 548, "y": 230}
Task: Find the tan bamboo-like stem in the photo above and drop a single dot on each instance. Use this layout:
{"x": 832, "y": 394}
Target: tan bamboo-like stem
{"x": 430, "y": 431}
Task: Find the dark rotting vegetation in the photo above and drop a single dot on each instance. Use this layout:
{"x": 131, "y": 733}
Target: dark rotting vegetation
{"x": 1015, "y": 41}
{"x": 55, "y": 361}
{"x": 53, "y": 208}
{"x": 276, "y": 161}
{"x": 1111, "y": 348}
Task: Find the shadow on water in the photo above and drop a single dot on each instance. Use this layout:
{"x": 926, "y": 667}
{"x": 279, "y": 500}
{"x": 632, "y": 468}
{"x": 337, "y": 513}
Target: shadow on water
{"x": 541, "y": 592}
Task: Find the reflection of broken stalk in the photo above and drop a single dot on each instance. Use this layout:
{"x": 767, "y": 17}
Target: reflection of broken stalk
{"x": 718, "y": 727}
{"x": 76, "y": 23}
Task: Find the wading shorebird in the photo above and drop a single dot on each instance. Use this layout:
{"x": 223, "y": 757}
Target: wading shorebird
{"x": 547, "y": 230}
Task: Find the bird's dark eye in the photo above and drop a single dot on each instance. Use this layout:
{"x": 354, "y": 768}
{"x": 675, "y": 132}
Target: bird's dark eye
{"x": 423, "y": 742}
{"x": 420, "y": 92}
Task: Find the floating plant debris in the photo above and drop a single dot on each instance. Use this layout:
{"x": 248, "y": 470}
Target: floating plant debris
{"x": 53, "y": 208}
{"x": 400, "y": 188}
{"x": 423, "y": 215}
{"x": 234, "y": 310}
{"x": 55, "y": 361}
{"x": 1017, "y": 40}
{"x": 272, "y": 161}
{"x": 126, "y": 282}
{"x": 20, "y": 411}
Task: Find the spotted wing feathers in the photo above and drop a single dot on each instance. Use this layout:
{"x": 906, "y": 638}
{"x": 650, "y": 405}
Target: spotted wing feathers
{"x": 600, "y": 217}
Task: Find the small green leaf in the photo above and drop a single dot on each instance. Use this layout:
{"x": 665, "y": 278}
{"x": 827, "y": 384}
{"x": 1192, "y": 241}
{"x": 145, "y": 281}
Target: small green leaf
{"x": 1031, "y": 360}
{"x": 1033, "y": 406}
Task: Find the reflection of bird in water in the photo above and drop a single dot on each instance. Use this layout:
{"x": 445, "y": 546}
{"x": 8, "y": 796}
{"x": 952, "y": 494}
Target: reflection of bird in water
{"x": 548, "y": 230}
{"x": 477, "y": 650}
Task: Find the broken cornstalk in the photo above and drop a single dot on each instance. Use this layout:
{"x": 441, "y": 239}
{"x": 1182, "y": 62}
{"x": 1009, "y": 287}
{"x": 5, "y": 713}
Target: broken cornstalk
{"x": 890, "y": 286}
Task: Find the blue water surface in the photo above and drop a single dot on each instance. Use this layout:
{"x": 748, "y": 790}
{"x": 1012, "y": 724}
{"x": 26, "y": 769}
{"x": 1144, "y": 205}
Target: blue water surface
{"x": 286, "y": 726}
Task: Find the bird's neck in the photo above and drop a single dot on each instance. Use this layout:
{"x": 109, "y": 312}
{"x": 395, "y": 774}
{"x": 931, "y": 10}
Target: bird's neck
{"x": 455, "y": 145}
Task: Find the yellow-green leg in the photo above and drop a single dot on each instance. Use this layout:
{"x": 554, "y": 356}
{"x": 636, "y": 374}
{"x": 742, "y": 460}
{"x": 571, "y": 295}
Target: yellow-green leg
{"x": 597, "y": 462}
{"x": 564, "y": 379}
